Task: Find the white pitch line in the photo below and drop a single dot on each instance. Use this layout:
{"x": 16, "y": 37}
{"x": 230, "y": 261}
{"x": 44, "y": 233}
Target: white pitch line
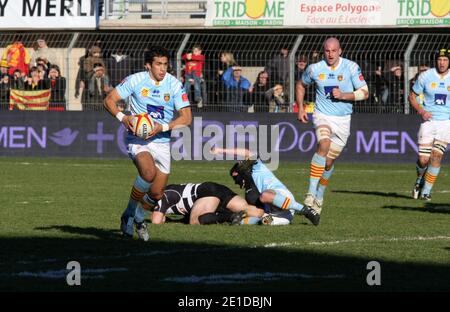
{"x": 378, "y": 239}
{"x": 240, "y": 278}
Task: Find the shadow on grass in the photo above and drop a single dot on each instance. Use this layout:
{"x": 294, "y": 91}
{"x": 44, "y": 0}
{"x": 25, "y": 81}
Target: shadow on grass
{"x": 91, "y": 231}
{"x": 428, "y": 207}
{"x": 374, "y": 193}
{"x": 112, "y": 263}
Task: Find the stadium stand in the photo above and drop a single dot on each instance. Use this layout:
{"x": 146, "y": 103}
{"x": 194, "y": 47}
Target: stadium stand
{"x": 252, "y": 52}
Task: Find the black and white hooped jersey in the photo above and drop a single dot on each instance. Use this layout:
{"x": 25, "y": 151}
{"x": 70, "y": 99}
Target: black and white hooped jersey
{"x": 178, "y": 199}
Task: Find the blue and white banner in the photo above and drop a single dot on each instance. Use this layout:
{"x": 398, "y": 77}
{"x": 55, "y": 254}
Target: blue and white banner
{"x": 48, "y": 14}
{"x": 374, "y": 137}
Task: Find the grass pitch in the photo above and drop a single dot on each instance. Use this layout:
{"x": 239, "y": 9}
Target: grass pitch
{"x": 53, "y": 211}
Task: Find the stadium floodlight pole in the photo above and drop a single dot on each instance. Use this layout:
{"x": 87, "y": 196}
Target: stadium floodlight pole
{"x": 180, "y": 52}
{"x": 292, "y": 65}
{"x": 406, "y": 63}
{"x": 68, "y": 58}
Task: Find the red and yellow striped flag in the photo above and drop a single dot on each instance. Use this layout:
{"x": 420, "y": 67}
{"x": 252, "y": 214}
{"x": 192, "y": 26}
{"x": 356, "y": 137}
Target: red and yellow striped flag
{"x": 29, "y": 100}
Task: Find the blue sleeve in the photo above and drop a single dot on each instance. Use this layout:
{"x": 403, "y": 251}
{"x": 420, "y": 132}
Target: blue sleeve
{"x": 227, "y": 78}
{"x": 125, "y": 88}
{"x": 307, "y": 76}
{"x": 419, "y": 85}
{"x": 357, "y": 77}
{"x": 180, "y": 98}
{"x": 245, "y": 84}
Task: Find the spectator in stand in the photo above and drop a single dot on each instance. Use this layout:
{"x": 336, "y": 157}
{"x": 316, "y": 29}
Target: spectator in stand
{"x": 34, "y": 81}
{"x": 18, "y": 81}
{"x": 193, "y": 73}
{"x": 119, "y": 66}
{"x": 16, "y": 56}
{"x": 58, "y": 89}
{"x": 5, "y": 87}
{"x": 99, "y": 87}
{"x": 237, "y": 89}
{"x": 302, "y": 63}
{"x": 43, "y": 52}
{"x": 86, "y": 72}
{"x": 278, "y": 68}
{"x": 42, "y": 67}
{"x": 396, "y": 87}
{"x": 278, "y": 102}
{"x": 226, "y": 60}
{"x": 258, "y": 97}
{"x": 420, "y": 69}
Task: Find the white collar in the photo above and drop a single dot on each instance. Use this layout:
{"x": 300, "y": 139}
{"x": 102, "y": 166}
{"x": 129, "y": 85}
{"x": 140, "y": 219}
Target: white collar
{"x": 440, "y": 76}
{"x": 154, "y": 82}
{"x": 336, "y": 67}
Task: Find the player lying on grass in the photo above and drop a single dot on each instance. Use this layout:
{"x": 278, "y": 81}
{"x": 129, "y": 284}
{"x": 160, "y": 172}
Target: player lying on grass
{"x": 203, "y": 203}
{"x": 264, "y": 190}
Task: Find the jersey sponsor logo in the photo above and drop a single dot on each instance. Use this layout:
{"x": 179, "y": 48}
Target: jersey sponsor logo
{"x": 448, "y": 88}
{"x": 322, "y": 77}
{"x": 442, "y": 85}
{"x": 145, "y": 92}
{"x": 155, "y": 93}
{"x": 156, "y": 112}
{"x": 433, "y": 85}
{"x": 184, "y": 97}
{"x": 340, "y": 77}
{"x": 440, "y": 99}
{"x": 166, "y": 97}
{"x": 361, "y": 77}
{"x": 331, "y": 76}
{"x": 329, "y": 91}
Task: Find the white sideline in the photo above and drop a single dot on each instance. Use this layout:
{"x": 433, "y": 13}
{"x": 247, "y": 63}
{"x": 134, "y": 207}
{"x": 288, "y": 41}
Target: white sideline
{"x": 241, "y": 278}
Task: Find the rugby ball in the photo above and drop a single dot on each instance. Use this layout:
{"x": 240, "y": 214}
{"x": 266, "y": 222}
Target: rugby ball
{"x": 142, "y": 125}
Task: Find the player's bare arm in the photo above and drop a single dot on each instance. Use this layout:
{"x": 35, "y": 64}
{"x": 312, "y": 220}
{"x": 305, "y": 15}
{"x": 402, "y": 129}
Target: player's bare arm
{"x": 300, "y": 97}
{"x": 184, "y": 120}
{"x": 110, "y": 105}
{"x": 413, "y": 102}
{"x": 242, "y": 152}
{"x": 360, "y": 94}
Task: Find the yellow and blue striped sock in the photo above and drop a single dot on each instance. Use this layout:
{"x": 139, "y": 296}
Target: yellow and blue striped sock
{"x": 323, "y": 182}
{"x": 430, "y": 179}
{"x": 316, "y": 170}
{"x": 140, "y": 188}
{"x": 284, "y": 202}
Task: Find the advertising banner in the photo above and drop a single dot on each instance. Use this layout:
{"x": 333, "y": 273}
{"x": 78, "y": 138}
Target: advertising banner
{"x": 246, "y": 13}
{"x": 48, "y": 14}
{"x": 374, "y": 137}
{"x": 326, "y": 14}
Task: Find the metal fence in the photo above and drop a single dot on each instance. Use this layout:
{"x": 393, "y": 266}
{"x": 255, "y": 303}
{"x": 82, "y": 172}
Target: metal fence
{"x": 122, "y": 54}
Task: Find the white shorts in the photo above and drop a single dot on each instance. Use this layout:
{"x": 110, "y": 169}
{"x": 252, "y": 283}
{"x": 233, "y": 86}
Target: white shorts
{"x": 339, "y": 125}
{"x": 434, "y": 130}
{"x": 159, "y": 151}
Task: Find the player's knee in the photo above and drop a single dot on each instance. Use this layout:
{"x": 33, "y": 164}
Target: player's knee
{"x": 148, "y": 175}
{"x": 423, "y": 160}
{"x": 267, "y": 196}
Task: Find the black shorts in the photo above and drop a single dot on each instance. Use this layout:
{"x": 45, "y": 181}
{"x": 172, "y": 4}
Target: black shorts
{"x": 212, "y": 189}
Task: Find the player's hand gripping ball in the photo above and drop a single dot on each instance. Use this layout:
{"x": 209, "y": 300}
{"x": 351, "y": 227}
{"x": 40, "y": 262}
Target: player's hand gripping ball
{"x": 142, "y": 125}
